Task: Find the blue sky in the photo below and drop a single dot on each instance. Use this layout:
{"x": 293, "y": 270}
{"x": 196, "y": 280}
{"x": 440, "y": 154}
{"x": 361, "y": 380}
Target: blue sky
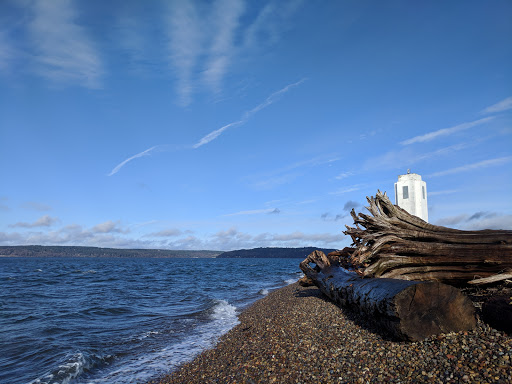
{"x": 238, "y": 124}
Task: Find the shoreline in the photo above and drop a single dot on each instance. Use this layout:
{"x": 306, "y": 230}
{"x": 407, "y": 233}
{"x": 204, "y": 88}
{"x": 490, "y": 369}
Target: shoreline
{"x": 296, "y": 335}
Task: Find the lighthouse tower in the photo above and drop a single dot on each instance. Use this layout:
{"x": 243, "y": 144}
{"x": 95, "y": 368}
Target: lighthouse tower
{"x": 411, "y": 194}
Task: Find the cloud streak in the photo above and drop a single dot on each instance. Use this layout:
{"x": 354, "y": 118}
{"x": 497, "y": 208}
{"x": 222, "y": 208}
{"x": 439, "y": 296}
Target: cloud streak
{"x": 470, "y": 167}
{"x": 247, "y": 115}
{"x": 445, "y": 131}
{"x": 226, "y": 20}
{"x": 43, "y": 221}
{"x": 185, "y": 45}
{"x": 255, "y": 212}
{"x": 503, "y": 105}
{"x": 147, "y": 152}
{"x": 63, "y": 50}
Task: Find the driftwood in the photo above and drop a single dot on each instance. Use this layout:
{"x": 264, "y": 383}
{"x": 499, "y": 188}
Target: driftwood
{"x": 391, "y": 243}
{"x": 410, "y": 310}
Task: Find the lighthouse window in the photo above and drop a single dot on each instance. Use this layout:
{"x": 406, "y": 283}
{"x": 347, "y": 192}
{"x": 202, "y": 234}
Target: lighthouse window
{"x": 423, "y": 190}
{"x": 405, "y": 192}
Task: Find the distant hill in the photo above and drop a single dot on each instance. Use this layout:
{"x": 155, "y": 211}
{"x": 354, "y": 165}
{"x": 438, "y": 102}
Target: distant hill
{"x": 272, "y": 253}
{"x": 64, "y": 251}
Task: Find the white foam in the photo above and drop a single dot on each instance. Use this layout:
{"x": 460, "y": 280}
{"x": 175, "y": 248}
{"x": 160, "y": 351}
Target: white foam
{"x": 223, "y": 311}
{"x": 263, "y": 292}
{"x": 147, "y": 366}
{"x": 65, "y": 372}
{"x": 290, "y": 281}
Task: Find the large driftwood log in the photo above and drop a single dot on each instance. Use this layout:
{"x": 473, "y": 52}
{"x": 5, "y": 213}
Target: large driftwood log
{"x": 395, "y": 244}
{"x": 409, "y": 310}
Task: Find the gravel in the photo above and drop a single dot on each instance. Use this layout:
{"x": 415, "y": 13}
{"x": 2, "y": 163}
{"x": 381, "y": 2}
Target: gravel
{"x": 296, "y": 335}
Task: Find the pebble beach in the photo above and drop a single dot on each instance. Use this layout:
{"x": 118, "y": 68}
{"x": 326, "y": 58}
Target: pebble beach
{"x": 296, "y": 335}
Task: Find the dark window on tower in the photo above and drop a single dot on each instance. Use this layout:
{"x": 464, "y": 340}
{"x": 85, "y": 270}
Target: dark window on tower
{"x": 405, "y": 192}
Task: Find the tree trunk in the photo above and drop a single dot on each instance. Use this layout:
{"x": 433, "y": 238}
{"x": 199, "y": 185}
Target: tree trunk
{"x": 410, "y": 310}
{"x": 395, "y": 244}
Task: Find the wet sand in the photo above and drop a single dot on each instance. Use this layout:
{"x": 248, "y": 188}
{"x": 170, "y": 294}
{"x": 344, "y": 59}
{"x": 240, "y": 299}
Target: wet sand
{"x": 296, "y": 335}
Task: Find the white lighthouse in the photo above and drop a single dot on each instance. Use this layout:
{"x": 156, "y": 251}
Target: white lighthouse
{"x": 411, "y": 194}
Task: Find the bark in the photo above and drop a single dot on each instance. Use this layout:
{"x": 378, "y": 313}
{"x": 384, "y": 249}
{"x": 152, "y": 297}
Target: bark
{"x": 410, "y": 310}
{"x": 391, "y": 243}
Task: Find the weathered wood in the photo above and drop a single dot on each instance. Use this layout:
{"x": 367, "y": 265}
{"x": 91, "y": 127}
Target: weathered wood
{"x": 410, "y": 310}
{"x": 392, "y": 243}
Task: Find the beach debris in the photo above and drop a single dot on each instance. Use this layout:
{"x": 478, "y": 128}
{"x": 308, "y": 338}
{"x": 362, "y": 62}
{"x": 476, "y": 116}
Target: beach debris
{"x": 395, "y": 244}
{"x": 408, "y": 310}
{"x": 404, "y": 272}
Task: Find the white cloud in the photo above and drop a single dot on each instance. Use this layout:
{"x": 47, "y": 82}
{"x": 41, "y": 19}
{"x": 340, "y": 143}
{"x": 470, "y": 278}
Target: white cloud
{"x": 492, "y": 222}
{"x": 108, "y": 227}
{"x": 247, "y": 115}
{"x": 43, "y": 221}
{"x": 214, "y": 134}
{"x": 63, "y": 51}
{"x": 445, "y": 132}
{"x": 470, "y": 167}
{"x": 225, "y": 15}
{"x": 205, "y": 39}
{"x": 141, "y": 154}
{"x": 477, "y": 221}
{"x": 343, "y": 175}
{"x": 185, "y": 45}
{"x": 166, "y": 233}
{"x": 503, "y": 105}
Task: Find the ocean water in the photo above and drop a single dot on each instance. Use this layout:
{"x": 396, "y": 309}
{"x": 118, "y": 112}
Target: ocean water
{"x": 121, "y": 320}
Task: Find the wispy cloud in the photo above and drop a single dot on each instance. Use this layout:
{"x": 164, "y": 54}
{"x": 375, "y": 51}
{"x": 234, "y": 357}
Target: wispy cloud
{"x": 255, "y": 212}
{"x": 174, "y": 232}
{"x": 477, "y": 221}
{"x": 343, "y": 190}
{"x": 226, "y": 15}
{"x": 64, "y": 52}
{"x": 445, "y": 131}
{"x": 503, "y": 105}
{"x": 344, "y": 175}
{"x": 247, "y": 115}
{"x": 270, "y": 22}
{"x": 205, "y": 38}
{"x": 288, "y": 173}
{"x": 185, "y": 45}
{"x": 407, "y": 156}
{"x": 109, "y": 227}
{"x": 471, "y": 167}
{"x": 43, "y": 221}
{"x": 141, "y": 154}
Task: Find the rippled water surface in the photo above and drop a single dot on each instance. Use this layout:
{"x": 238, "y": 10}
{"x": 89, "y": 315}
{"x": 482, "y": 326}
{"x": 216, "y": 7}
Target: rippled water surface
{"x": 87, "y": 320}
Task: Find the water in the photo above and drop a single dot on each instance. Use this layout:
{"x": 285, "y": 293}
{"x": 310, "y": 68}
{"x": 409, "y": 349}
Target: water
{"x": 88, "y": 320}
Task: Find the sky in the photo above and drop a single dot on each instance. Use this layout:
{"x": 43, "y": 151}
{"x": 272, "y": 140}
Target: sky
{"x": 235, "y": 124}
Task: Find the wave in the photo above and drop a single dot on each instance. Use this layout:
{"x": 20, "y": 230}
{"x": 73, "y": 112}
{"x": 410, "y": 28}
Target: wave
{"x": 222, "y": 310}
{"x": 263, "y": 292}
{"x": 148, "y": 366}
{"x": 290, "y": 281}
{"x": 73, "y": 367}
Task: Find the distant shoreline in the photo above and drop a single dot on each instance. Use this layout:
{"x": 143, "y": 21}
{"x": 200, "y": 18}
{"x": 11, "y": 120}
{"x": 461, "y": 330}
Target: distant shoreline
{"x": 30, "y": 251}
